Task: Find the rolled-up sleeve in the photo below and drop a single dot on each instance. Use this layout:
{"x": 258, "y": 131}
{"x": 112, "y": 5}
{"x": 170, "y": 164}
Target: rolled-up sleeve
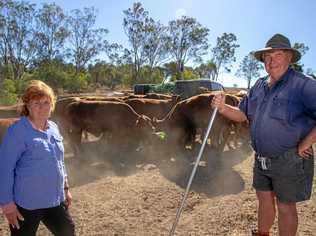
{"x": 10, "y": 152}
{"x": 243, "y": 105}
{"x": 309, "y": 97}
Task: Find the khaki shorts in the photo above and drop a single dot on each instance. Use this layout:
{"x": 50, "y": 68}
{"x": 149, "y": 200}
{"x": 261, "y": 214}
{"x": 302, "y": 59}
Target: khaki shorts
{"x": 289, "y": 176}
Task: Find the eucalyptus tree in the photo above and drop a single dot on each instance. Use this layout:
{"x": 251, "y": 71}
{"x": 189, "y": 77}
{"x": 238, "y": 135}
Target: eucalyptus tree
{"x": 155, "y": 47}
{"x": 206, "y": 70}
{"x": 311, "y": 73}
{"x": 51, "y": 32}
{"x": 134, "y": 23}
{"x": 302, "y": 48}
{"x": 86, "y": 41}
{"x": 186, "y": 40}
{"x": 249, "y": 68}
{"x": 223, "y": 54}
{"x": 17, "y": 35}
{"x": 3, "y": 32}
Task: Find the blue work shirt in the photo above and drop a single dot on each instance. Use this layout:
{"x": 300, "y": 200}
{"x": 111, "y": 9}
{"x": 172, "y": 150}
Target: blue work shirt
{"x": 282, "y": 115}
{"x": 32, "y": 171}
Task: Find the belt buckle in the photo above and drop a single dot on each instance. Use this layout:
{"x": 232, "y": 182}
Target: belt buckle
{"x": 263, "y": 162}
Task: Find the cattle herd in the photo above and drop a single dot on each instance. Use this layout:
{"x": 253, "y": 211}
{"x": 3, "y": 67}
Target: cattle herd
{"x": 126, "y": 121}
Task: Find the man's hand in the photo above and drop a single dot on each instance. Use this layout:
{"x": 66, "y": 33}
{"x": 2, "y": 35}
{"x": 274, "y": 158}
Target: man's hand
{"x": 12, "y": 215}
{"x": 305, "y": 151}
{"x": 219, "y": 101}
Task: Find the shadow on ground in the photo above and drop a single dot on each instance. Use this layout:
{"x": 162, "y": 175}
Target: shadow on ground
{"x": 214, "y": 176}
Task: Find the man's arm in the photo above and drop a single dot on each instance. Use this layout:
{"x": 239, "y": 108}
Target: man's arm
{"x": 305, "y": 146}
{"x": 232, "y": 113}
{"x": 308, "y": 97}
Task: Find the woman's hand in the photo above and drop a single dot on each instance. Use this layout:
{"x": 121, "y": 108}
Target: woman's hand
{"x": 12, "y": 215}
{"x": 68, "y": 197}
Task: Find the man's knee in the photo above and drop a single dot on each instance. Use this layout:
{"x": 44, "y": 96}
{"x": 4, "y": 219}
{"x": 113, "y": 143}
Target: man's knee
{"x": 286, "y": 208}
{"x": 267, "y": 197}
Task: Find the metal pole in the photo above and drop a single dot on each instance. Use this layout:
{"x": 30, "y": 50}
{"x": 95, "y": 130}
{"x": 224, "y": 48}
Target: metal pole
{"x": 193, "y": 173}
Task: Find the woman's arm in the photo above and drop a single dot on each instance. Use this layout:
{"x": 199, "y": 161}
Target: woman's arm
{"x": 10, "y": 152}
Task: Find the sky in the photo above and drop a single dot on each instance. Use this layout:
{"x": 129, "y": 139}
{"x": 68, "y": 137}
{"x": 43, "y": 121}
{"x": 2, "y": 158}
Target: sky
{"x": 252, "y": 21}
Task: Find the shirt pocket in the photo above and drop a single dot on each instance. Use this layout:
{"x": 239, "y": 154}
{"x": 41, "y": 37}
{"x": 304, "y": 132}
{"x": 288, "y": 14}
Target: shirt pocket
{"x": 295, "y": 111}
{"x": 37, "y": 149}
{"x": 279, "y": 109}
{"x": 36, "y": 145}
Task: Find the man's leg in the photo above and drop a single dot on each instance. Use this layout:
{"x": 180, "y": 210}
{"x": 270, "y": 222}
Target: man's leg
{"x": 287, "y": 218}
{"x": 266, "y": 210}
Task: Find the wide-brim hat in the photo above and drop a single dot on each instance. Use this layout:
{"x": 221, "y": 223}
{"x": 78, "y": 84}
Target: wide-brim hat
{"x": 280, "y": 42}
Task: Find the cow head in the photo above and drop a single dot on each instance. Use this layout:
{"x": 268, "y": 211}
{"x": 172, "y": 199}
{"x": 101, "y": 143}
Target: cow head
{"x": 175, "y": 99}
{"x": 145, "y": 122}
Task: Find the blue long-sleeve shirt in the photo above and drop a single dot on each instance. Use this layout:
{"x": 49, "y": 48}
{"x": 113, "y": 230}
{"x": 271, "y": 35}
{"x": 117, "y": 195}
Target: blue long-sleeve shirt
{"x": 280, "y": 116}
{"x": 32, "y": 170}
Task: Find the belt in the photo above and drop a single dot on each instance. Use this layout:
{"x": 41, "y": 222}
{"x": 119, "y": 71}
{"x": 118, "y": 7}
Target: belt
{"x": 265, "y": 162}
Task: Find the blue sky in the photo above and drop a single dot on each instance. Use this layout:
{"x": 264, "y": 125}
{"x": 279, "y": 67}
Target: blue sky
{"x": 252, "y": 21}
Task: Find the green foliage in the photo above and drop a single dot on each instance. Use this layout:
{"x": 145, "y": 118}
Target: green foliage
{"x": 207, "y": 70}
{"x": 8, "y": 92}
{"x": 150, "y": 76}
{"x": 163, "y": 88}
{"x": 77, "y": 82}
{"x": 189, "y": 75}
{"x": 60, "y": 76}
{"x": 51, "y": 74}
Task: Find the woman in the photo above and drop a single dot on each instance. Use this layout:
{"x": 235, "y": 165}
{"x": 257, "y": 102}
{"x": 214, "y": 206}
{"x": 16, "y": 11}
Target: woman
{"x": 33, "y": 179}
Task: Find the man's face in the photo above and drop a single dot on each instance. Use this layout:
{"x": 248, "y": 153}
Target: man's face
{"x": 277, "y": 62}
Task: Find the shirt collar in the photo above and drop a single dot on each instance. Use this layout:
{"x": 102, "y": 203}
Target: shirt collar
{"x": 28, "y": 124}
{"x": 284, "y": 78}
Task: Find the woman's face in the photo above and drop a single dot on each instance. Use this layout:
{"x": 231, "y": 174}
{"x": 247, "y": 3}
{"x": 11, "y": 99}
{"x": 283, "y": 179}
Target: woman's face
{"x": 40, "y": 109}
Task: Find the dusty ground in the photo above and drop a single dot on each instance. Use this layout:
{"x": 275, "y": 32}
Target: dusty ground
{"x": 140, "y": 196}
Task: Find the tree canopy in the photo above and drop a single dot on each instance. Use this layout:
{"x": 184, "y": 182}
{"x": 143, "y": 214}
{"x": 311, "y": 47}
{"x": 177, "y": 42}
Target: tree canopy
{"x": 71, "y": 53}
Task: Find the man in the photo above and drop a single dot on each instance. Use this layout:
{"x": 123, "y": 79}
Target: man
{"x": 281, "y": 109}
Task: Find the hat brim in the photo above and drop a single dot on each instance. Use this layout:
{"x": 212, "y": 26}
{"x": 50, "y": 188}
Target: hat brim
{"x": 295, "y": 58}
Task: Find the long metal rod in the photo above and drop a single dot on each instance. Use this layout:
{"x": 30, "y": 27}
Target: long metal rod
{"x": 193, "y": 173}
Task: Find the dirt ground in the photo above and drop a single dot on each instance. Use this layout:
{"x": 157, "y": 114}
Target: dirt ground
{"x": 139, "y": 193}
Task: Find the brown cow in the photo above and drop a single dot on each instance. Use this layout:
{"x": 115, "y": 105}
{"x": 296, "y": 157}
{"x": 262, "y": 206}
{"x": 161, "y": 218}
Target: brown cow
{"x": 99, "y": 98}
{"x": 159, "y": 96}
{"x": 60, "y": 117}
{"x": 4, "y": 124}
{"x": 190, "y": 115}
{"x": 152, "y": 107}
{"x": 224, "y": 128}
{"x": 182, "y": 121}
{"x": 10, "y": 111}
{"x": 126, "y": 127}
